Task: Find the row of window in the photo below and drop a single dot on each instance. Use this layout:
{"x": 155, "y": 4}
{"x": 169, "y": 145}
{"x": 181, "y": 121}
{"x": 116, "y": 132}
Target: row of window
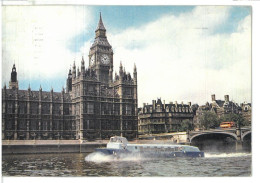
{"x": 45, "y": 125}
{"x": 34, "y": 108}
{"x": 69, "y": 125}
{"x": 105, "y": 109}
{"x": 172, "y": 109}
{"x": 56, "y": 109}
{"x": 109, "y": 125}
{"x": 87, "y": 90}
{"x": 166, "y": 120}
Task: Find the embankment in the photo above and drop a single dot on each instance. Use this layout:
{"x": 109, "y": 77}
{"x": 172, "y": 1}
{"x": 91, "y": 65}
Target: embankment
{"x": 49, "y": 146}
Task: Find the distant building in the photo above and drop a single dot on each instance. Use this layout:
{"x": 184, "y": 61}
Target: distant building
{"x": 95, "y": 105}
{"x": 163, "y": 118}
{"x": 199, "y": 111}
{"x": 246, "y": 111}
{"x": 222, "y": 107}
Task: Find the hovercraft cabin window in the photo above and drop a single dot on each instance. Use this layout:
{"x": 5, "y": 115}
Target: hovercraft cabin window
{"x": 113, "y": 140}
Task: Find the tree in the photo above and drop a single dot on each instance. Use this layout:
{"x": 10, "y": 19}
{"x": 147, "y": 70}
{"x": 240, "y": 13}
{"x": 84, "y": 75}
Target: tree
{"x": 186, "y": 125}
{"x": 237, "y": 118}
{"x": 209, "y": 120}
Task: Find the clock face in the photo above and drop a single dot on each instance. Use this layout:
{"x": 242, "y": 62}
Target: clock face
{"x": 105, "y": 59}
{"x": 92, "y": 59}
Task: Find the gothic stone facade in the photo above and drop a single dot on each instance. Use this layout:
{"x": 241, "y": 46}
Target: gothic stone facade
{"x": 163, "y": 118}
{"x": 222, "y": 107}
{"x": 95, "y": 105}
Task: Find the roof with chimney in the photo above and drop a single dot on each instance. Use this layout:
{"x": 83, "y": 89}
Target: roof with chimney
{"x": 148, "y": 108}
{"x": 34, "y": 95}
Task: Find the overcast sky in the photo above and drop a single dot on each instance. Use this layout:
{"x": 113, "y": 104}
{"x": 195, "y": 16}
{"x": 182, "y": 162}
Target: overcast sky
{"x": 182, "y": 53}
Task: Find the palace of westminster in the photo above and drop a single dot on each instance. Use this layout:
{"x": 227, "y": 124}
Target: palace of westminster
{"x": 95, "y": 105}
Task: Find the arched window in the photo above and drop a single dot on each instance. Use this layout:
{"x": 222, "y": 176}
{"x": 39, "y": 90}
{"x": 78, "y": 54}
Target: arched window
{"x": 159, "y": 108}
{"x": 90, "y": 108}
{"x": 128, "y": 109}
{"x": 167, "y": 109}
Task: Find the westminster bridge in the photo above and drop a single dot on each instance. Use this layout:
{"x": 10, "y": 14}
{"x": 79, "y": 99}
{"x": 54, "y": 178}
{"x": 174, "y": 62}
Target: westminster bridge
{"x": 212, "y": 139}
{"x": 231, "y": 138}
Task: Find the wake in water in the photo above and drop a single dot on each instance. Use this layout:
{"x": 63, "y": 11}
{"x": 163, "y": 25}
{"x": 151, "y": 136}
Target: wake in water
{"x": 98, "y": 157}
{"x": 226, "y": 155}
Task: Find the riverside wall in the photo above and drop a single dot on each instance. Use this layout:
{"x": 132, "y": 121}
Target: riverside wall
{"x": 49, "y": 146}
{"x": 60, "y": 146}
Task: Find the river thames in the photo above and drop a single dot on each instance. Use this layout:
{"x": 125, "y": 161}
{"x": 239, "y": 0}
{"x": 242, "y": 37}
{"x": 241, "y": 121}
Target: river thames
{"x": 80, "y": 164}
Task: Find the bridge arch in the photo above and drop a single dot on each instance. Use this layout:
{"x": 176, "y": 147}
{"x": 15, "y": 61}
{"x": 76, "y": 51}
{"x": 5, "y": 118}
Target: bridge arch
{"x": 208, "y": 133}
{"x": 245, "y": 134}
{"x": 215, "y": 141}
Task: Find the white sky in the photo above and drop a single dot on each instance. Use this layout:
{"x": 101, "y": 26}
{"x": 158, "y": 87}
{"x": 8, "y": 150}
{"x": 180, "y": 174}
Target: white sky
{"x": 181, "y": 60}
{"x": 178, "y": 58}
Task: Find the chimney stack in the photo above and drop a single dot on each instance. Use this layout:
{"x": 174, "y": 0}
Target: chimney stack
{"x": 226, "y": 98}
{"x": 154, "y": 103}
{"x": 213, "y": 98}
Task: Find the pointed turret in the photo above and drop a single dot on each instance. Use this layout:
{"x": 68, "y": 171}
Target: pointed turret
{"x": 70, "y": 74}
{"x": 51, "y": 90}
{"x": 82, "y": 67}
{"x": 14, "y": 74}
{"x": 78, "y": 73}
{"x": 121, "y": 69}
{"x": 100, "y": 30}
{"x": 29, "y": 91}
{"x": 121, "y": 72}
{"x": 13, "y": 84}
{"x": 74, "y": 70}
{"x": 69, "y": 82}
{"x": 82, "y": 62}
{"x": 100, "y": 24}
{"x": 135, "y": 74}
{"x": 40, "y": 93}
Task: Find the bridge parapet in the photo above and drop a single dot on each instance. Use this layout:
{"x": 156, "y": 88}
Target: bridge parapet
{"x": 213, "y": 130}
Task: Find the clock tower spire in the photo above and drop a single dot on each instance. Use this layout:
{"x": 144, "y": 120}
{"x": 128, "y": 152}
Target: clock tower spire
{"x": 101, "y": 54}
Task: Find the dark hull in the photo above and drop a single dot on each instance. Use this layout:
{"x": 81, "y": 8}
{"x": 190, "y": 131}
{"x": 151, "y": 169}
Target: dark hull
{"x": 149, "y": 154}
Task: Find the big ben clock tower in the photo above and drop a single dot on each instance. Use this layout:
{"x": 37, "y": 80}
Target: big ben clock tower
{"x": 101, "y": 55}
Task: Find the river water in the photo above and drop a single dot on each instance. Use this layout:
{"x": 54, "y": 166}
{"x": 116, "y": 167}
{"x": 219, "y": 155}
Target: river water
{"x": 73, "y": 164}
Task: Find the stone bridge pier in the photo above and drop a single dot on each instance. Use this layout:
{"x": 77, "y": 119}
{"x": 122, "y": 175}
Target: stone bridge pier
{"x": 239, "y": 144}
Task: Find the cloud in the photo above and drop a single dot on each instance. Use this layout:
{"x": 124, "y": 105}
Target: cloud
{"x": 36, "y": 38}
{"x": 183, "y": 58}
{"x": 178, "y": 58}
